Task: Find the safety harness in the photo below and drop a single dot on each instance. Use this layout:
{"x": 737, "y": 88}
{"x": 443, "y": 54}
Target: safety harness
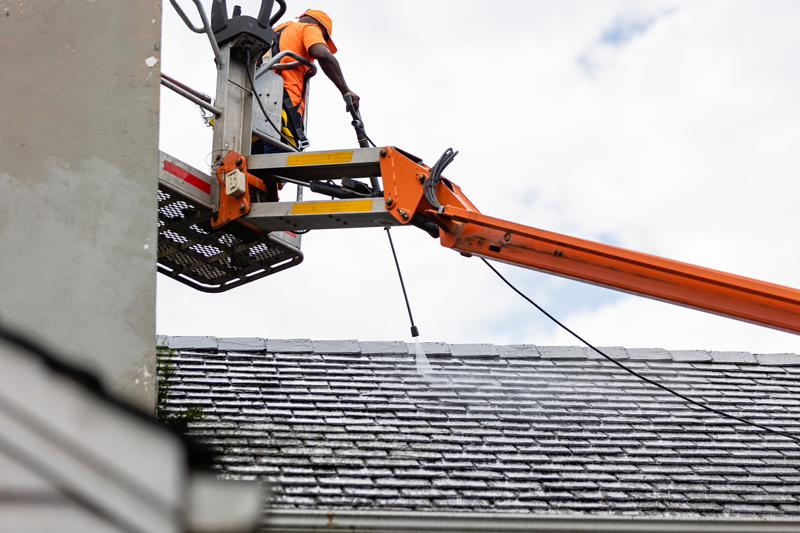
{"x": 294, "y": 119}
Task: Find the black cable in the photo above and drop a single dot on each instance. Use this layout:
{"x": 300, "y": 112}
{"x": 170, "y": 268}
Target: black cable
{"x": 414, "y": 330}
{"x": 429, "y": 187}
{"x": 368, "y": 139}
{"x": 636, "y": 374}
{"x": 258, "y": 99}
{"x": 360, "y": 131}
{"x": 357, "y": 123}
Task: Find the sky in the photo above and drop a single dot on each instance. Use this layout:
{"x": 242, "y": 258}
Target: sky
{"x": 667, "y": 127}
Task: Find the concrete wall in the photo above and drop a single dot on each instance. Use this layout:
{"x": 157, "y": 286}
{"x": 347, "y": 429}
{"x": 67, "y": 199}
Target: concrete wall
{"x": 79, "y": 88}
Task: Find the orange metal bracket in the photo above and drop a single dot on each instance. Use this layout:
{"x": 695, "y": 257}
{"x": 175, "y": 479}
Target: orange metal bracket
{"x": 402, "y": 184}
{"x": 231, "y": 208}
{"x": 403, "y": 193}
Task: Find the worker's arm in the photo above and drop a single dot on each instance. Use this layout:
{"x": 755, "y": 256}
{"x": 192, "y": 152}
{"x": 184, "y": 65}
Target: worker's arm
{"x": 330, "y": 66}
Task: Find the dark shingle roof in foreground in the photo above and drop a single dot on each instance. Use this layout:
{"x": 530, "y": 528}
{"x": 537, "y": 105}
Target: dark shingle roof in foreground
{"x": 535, "y": 429}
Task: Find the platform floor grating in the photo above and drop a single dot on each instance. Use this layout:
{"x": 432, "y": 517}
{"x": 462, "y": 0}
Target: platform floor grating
{"x": 191, "y": 252}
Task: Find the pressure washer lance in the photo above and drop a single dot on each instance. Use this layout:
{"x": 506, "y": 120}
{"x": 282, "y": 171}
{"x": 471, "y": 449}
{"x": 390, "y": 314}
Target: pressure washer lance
{"x": 361, "y": 135}
{"x": 414, "y": 329}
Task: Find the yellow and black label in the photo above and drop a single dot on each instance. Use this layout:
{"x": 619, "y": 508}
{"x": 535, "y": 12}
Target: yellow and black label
{"x": 332, "y": 206}
{"x": 323, "y": 158}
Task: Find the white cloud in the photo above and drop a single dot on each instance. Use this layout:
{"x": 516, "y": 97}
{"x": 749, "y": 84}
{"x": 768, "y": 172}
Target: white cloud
{"x": 626, "y": 27}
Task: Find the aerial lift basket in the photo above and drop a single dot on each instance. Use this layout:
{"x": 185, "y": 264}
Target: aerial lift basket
{"x": 212, "y": 261}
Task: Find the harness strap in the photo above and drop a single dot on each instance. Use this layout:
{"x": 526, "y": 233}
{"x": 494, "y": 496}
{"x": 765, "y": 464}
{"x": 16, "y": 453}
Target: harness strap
{"x": 295, "y": 120}
{"x": 276, "y": 48}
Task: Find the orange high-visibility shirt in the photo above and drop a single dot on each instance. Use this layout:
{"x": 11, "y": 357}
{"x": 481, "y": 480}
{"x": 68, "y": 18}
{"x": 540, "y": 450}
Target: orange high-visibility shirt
{"x": 298, "y": 37}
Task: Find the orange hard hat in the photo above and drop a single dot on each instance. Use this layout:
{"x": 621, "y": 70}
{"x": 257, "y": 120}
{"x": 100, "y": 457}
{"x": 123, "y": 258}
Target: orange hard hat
{"x": 325, "y": 20}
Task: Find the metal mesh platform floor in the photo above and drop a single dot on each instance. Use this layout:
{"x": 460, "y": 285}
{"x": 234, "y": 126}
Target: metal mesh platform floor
{"x": 209, "y": 260}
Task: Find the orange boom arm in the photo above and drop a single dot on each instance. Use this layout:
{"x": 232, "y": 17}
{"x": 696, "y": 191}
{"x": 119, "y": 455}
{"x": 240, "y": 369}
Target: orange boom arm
{"x": 462, "y": 227}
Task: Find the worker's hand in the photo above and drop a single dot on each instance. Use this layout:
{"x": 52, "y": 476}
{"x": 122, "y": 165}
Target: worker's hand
{"x": 355, "y": 97}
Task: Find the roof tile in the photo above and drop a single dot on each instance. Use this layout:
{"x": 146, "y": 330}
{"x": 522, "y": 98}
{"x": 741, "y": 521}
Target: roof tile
{"x": 690, "y": 356}
{"x": 778, "y": 359}
{"x": 521, "y": 352}
{"x": 337, "y": 347}
{"x": 384, "y": 347}
{"x": 562, "y": 352}
{"x": 481, "y": 350}
{"x": 192, "y": 343}
{"x": 242, "y": 344}
{"x": 287, "y": 346}
{"x": 432, "y": 348}
{"x": 402, "y": 482}
{"x": 617, "y": 353}
{"x": 739, "y": 358}
{"x": 649, "y": 354}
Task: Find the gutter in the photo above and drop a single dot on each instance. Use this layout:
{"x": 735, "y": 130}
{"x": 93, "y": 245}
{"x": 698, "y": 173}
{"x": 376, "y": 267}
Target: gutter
{"x": 292, "y": 521}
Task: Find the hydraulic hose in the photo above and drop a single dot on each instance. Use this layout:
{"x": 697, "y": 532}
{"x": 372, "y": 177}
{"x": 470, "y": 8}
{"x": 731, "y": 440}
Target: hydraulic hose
{"x": 429, "y": 187}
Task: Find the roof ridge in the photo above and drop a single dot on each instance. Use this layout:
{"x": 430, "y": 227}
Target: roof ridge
{"x": 467, "y": 350}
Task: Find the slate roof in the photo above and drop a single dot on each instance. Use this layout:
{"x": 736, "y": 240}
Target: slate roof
{"x": 533, "y": 429}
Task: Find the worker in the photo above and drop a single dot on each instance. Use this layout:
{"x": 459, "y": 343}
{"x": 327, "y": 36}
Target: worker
{"x": 310, "y": 37}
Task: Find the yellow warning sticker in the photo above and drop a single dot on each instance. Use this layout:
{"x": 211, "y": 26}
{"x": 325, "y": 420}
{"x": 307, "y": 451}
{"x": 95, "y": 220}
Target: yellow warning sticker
{"x": 323, "y": 158}
{"x": 332, "y": 206}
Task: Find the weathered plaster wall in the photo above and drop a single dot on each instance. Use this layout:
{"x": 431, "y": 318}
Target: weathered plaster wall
{"x": 79, "y": 87}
